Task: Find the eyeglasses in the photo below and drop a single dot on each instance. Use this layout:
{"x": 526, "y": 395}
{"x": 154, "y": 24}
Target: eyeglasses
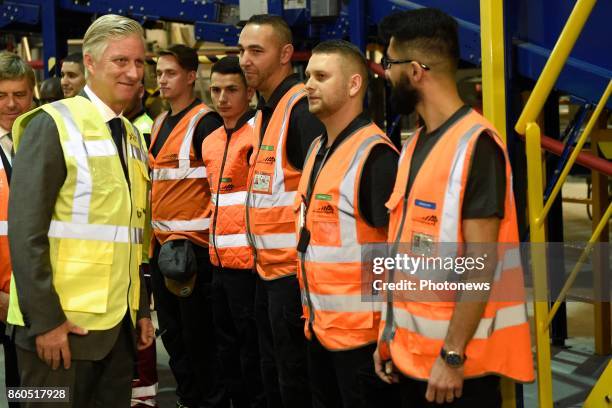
{"x": 386, "y": 63}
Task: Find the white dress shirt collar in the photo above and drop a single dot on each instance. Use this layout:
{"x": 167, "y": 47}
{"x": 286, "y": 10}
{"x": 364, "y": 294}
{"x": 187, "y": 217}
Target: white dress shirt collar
{"x": 105, "y": 111}
{"x": 6, "y": 145}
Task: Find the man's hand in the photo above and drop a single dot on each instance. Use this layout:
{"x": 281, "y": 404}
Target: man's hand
{"x": 445, "y": 383}
{"x": 384, "y": 369}
{"x": 146, "y": 333}
{"x": 53, "y": 345}
{"x": 4, "y": 305}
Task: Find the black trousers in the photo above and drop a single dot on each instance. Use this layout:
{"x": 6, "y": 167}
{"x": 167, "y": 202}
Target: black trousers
{"x": 236, "y": 333}
{"x": 282, "y": 344}
{"x": 347, "y": 379}
{"x": 11, "y": 373}
{"x": 482, "y": 392}
{"x": 102, "y": 383}
{"x": 187, "y": 331}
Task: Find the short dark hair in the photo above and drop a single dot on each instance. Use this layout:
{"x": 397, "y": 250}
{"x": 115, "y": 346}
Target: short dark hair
{"x": 280, "y": 26}
{"x": 186, "y": 57}
{"x": 227, "y": 66}
{"x": 429, "y": 30}
{"x": 348, "y": 50}
{"x": 76, "y": 57}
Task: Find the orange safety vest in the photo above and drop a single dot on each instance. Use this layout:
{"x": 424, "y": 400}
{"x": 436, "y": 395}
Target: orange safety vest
{"x": 330, "y": 270}
{"x": 271, "y": 193}
{"x": 226, "y": 162}
{"x": 413, "y": 332}
{"x": 5, "y": 256}
{"x": 179, "y": 188}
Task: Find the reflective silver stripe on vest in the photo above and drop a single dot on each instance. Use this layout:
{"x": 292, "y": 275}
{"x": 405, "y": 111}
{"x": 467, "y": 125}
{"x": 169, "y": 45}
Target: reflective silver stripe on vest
{"x": 179, "y": 174}
{"x": 275, "y": 241}
{"x": 183, "y": 156}
{"x": 184, "y": 169}
{"x": 83, "y": 187}
{"x": 350, "y": 249}
{"x": 230, "y": 241}
{"x": 93, "y": 148}
{"x": 449, "y": 225}
{"x": 342, "y": 303}
{"x": 226, "y": 200}
{"x": 3, "y": 228}
{"x": 158, "y": 121}
{"x": 438, "y": 329}
{"x": 139, "y": 154}
{"x": 200, "y": 224}
{"x": 94, "y": 232}
{"x": 279, "y": 197}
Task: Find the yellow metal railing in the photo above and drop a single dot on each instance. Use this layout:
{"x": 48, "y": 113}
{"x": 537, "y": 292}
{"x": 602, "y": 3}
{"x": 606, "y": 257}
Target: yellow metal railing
{"x": 494, "y": 101}
{"x": 538, "y": 210}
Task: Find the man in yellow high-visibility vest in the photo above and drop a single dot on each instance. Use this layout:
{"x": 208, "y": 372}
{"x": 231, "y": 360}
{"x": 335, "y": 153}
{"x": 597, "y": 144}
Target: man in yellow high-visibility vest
{"x": 76, "y": 225}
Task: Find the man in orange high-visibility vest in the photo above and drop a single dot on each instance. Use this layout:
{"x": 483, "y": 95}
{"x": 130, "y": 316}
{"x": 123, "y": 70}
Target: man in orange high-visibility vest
{"x": 453, "y": 187}
{"x": 284, "y": 130}
{"x": 17, "y": 87}
{"x": 226, "y": 154}
{"x": 181, "y": 272}
{"x": 340, "y": 209}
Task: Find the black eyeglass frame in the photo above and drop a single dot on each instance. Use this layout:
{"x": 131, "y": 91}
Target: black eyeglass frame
{"x": 386, "y": 63}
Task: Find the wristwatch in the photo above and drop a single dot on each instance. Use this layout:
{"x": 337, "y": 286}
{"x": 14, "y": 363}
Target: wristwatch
{"x": 452, "y": 358}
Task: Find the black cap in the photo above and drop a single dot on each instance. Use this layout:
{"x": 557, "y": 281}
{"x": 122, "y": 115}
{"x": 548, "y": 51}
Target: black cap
{"x": 177, "y": 262}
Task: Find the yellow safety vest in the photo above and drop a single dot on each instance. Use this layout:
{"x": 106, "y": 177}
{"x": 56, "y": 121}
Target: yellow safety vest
{"x": 96, "y": 229}
{"x": 143, "y": 123}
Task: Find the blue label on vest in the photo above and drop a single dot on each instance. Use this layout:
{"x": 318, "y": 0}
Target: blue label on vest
{"x": 425, "y": 204}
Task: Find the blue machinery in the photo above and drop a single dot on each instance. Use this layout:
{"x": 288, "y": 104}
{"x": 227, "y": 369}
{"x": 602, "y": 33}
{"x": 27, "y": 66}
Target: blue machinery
{"x": 531, "y": 28}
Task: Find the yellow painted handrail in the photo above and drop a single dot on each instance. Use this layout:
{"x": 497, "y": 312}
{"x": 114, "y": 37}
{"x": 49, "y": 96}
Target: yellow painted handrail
{"x": 555, "y": 63}
{"x": 575, "y": 152}
{"x": 583, "y": 256}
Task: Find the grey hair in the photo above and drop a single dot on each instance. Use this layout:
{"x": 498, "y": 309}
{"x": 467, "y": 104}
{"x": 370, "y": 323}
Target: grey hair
{"x": 13, "y": 67}
{"x": 105, "y": 28}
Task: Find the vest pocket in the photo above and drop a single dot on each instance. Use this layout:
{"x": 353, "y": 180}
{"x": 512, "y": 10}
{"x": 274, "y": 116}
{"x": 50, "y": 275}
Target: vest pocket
{"x": 347, "y": 321}
{"x": 82, "y": 275}
{"x": 326, "y": 233}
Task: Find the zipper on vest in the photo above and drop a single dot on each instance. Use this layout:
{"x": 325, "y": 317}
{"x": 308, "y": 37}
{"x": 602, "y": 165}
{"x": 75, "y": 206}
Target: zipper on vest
{"x": 248, "y": 206}
{"x": 389, "y": 329}
{"x": 311, "y": 315}
{"x": 214, "y": 226}
{"x": 129, "y": 310}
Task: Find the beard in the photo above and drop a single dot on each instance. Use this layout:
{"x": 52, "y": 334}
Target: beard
{"x": 404, "y": 97}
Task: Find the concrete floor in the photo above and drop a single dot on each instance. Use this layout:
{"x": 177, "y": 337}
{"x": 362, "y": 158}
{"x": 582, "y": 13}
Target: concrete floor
{"x": 575, "y": 367}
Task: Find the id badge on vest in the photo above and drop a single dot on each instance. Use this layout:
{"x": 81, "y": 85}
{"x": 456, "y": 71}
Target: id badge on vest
{"x": 422, "y": 244}
{"x": 262, "y": 182}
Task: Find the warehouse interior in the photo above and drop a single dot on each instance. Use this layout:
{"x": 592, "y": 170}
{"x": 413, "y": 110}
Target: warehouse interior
{"x": 541, "y": 71}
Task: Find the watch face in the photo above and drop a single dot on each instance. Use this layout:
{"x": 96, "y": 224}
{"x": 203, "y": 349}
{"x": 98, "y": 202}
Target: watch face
{"x": 453, "y": 359}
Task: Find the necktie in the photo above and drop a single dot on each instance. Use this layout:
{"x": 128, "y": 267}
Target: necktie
{"x": 116, "y": 127}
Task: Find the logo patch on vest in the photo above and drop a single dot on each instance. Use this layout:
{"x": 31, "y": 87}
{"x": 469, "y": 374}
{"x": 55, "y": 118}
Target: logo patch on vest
{"x": 425, "y": 204}
{"x": 267, "y": 160}
{"x": 429, "y": 220}
{"x": 325, "y": 209}
{"x": 226, "y": 188}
